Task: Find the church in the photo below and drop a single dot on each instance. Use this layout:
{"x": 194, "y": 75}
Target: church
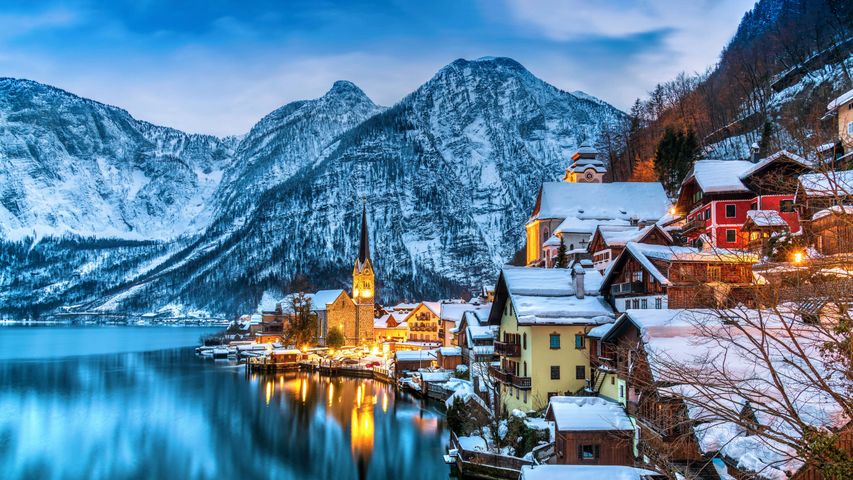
{"x": 352, "y": 314}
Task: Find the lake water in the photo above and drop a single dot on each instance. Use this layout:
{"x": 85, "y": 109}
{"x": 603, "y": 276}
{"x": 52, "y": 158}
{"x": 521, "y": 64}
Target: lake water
{"x": 135, "y": 402}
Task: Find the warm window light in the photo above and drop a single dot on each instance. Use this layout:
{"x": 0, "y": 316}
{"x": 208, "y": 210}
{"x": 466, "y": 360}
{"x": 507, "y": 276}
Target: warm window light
{"x": 798, "y": 257}
{"x": 672, "y": 210}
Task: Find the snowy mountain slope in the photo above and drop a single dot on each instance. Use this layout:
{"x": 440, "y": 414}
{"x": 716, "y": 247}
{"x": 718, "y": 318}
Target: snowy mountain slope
{"x": 68, "y": 164}
{"x": 449, "y": 176}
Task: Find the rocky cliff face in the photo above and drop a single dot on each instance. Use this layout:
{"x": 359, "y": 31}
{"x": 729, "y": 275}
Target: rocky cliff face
{"x": 448, "y": 175}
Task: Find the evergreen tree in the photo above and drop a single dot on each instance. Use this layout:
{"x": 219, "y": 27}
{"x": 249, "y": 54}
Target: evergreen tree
{"x": 562, "y": 256}
{"x": 674, "y": 157}
{"x": 335, "y": 338}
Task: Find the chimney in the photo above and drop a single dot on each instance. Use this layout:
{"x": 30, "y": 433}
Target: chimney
{"x": 577, "y": 275}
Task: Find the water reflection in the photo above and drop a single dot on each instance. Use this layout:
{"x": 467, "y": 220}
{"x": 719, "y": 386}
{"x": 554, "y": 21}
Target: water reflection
{"x": 168, "y": 414}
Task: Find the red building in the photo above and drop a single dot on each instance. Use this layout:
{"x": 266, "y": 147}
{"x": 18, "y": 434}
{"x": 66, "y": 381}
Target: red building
{"x": 717, "y": 195}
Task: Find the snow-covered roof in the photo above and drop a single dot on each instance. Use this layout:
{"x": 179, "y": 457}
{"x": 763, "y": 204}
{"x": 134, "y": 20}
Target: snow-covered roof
{"x": 382, "y": 322}
{"x": 766, "y": 218}
{"x": 433, "y": 307}
{"x": 835, "y": 209}
{"x": 435, "y": 376}
{"x": 840, "y": 100}
{"x": 454, "y": 311}
{"x": 404, "y": 306}
{"x": 321, "y": 299}
{"x": 580, "y": 224}
{"x": 584, "y": 472}
{"x": 766, "y": 161}
{"x": 481, "y": 332}
{"x": 717, "y": 176}
{"x": 600, "y": 330}
{"x": 538, "y": 281}
{"x": 587, "y": 414}
{"x": 827, "y": 184}
{"x": 450, "y": 351}
{"x": 618, "y": 200}
{"x": 414, "y": 355}
{"x": 546, "y": 296}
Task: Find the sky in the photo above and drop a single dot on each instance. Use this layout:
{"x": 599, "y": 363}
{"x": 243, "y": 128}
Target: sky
{"x": 217, "y": 67}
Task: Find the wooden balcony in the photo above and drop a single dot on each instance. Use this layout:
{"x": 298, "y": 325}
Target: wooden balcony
{"x": 510, "y": 379}
{"x": 696, "y": 226}
{"x": 499, "y": 375}
{"x": 508, "y": 349}
{"x": 627, "y": 288}
{"x": 521, "y": 382}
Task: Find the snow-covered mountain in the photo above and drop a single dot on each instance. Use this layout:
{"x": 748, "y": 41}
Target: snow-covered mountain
{"x": 68, "y": 164}
{"x": 448, "y": 176}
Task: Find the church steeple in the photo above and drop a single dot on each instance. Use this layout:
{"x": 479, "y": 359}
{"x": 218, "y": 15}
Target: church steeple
{"x": 364, "y": 245}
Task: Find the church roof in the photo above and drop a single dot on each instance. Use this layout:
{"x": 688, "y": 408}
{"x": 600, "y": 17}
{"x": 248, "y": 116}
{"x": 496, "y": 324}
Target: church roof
{"x": 364, "y": 243}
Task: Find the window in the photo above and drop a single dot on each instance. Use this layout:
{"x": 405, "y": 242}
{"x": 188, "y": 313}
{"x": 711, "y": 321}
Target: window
{"x": 524, "y": 341}
{"x": 612, "y": 380}
{"x": 731, "y": 211}
{"x": 588, "y": 452}
{"x": 658, "y": 303}
{"x": 579, "y": 341}
{"x": 524, "y": 394}
{"x": 850, "y": 127}
{"x": 555, "y": 372}
{"x": 786, "y": 206}
{"x": 753, "y": 206}
{"x": 525, "y": 369}
{"x": 707, "y": 214}
{"x": 621, "y": 391}
{"x": 713, "y": 273}
{"x": 580, "y": 372}
{"x": 637, "y": 276}
{"x": 555, "y": 341}
{"x": 644, "y": 304}
{"x": 636, "y": 303}
{"x": 731, "y": 235}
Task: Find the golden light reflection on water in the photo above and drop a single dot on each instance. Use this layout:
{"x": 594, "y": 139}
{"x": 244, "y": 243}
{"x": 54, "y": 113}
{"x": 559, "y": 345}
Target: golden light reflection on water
{"x": 269, "y": 391}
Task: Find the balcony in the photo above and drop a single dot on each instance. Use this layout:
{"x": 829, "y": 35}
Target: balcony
{"x": 510, "y": 379}
{"x": 626, "y": 288}
{"x": 499, "y": 375}
{"x": 508, "y": 349}
{"x": 696, "y": 225}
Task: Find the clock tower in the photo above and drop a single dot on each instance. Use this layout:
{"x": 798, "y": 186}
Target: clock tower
{"x": 585, "y": 167}
{"x": 363, "y": 287}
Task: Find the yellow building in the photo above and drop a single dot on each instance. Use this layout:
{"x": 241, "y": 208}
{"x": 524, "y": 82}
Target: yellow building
{"x": 391, "y": 327}
{"x": 544, "y": 315}
{"x": 424, "y": 322}
{"x": 843, "y": 106}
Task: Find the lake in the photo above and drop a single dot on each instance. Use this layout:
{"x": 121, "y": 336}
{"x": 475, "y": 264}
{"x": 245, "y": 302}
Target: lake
{"x": 135, "y": 402}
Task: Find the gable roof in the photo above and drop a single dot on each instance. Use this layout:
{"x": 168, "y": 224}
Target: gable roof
{"x": 765, "y": 218}
{"x": 546, "y": 296}
{"x": 840, "y": 100}
{"x": 780, "y": 155}
{"x": 576, "y": 414}
{"x": 826, "y": 184}
{"x": 719, "y": 176}
{"x": 618, "y": 200}
{"x": 322, "y": 298}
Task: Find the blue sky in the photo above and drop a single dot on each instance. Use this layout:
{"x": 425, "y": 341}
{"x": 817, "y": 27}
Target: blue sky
{"x": 212, "y": 66}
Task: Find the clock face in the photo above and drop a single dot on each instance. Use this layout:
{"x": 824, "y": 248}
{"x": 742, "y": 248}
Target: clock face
{"x": 588, "y": 175}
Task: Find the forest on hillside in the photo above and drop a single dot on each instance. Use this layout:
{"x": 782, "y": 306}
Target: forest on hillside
{"x": 768, "y": 91}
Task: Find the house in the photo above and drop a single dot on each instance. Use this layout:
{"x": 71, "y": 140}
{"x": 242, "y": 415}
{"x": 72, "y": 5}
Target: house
{"x": 424, "y": 323}
{"x": 590, "y": 431}
{"x": 717, "y": 194}
{"x": 572, "y": 212}
{"x": 412, "y": 361}
{"x": 831, "y": 230}
{"x": 584, "y": 472}
{"x": 760, "y": 226}
{"x": 543, "y": 316}
{"x": 448, "y": 358}
{"x": 659, "y": 277}
{"x": 451, "y": 315}
{"x": 477, "y": 337}
{"x": 608, "y": 241}
{"x": 391, "y": 327}
{"x": 842, "y": 106}
{"x": 651, "y": 349}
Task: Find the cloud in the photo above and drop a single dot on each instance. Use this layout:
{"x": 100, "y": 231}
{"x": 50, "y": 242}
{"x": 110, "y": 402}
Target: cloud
{"x": 18, "y": 24}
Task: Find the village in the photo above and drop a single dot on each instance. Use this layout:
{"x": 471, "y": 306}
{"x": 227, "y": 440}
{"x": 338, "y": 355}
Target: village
{"x": 704, "y": 336}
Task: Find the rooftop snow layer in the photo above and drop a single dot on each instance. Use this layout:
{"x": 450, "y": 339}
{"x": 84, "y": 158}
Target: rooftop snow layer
{"x": 322, "y": 298}
{"x": 538, "y": 281}
{"x": 588, "y": 413}
{"x": 618, "y": 200}
{"x": 840, "y": 100}
{"x": 716, "y": 176}
{"x": 584, "y": 472}
{"x": 827, "y": 184}
{"x": 766, "y": 218}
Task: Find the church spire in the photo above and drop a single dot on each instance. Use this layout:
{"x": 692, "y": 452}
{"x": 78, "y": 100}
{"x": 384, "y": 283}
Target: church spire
{"x": 364, "y": 245}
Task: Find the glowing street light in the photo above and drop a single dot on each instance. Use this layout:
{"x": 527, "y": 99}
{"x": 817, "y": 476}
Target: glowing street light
{"x": 798, "y": 257}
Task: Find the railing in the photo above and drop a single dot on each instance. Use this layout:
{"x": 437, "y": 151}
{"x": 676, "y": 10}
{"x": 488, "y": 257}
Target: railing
{"x": 508, "y": 349}
{"x": 695, "y": 224}
{"x": 510, "y": 379}
{"x": 626, "y": 288}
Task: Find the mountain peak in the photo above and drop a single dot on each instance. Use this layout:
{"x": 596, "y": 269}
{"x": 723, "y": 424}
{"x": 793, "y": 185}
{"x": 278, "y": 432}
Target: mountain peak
{"x": 344, "y": 87}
